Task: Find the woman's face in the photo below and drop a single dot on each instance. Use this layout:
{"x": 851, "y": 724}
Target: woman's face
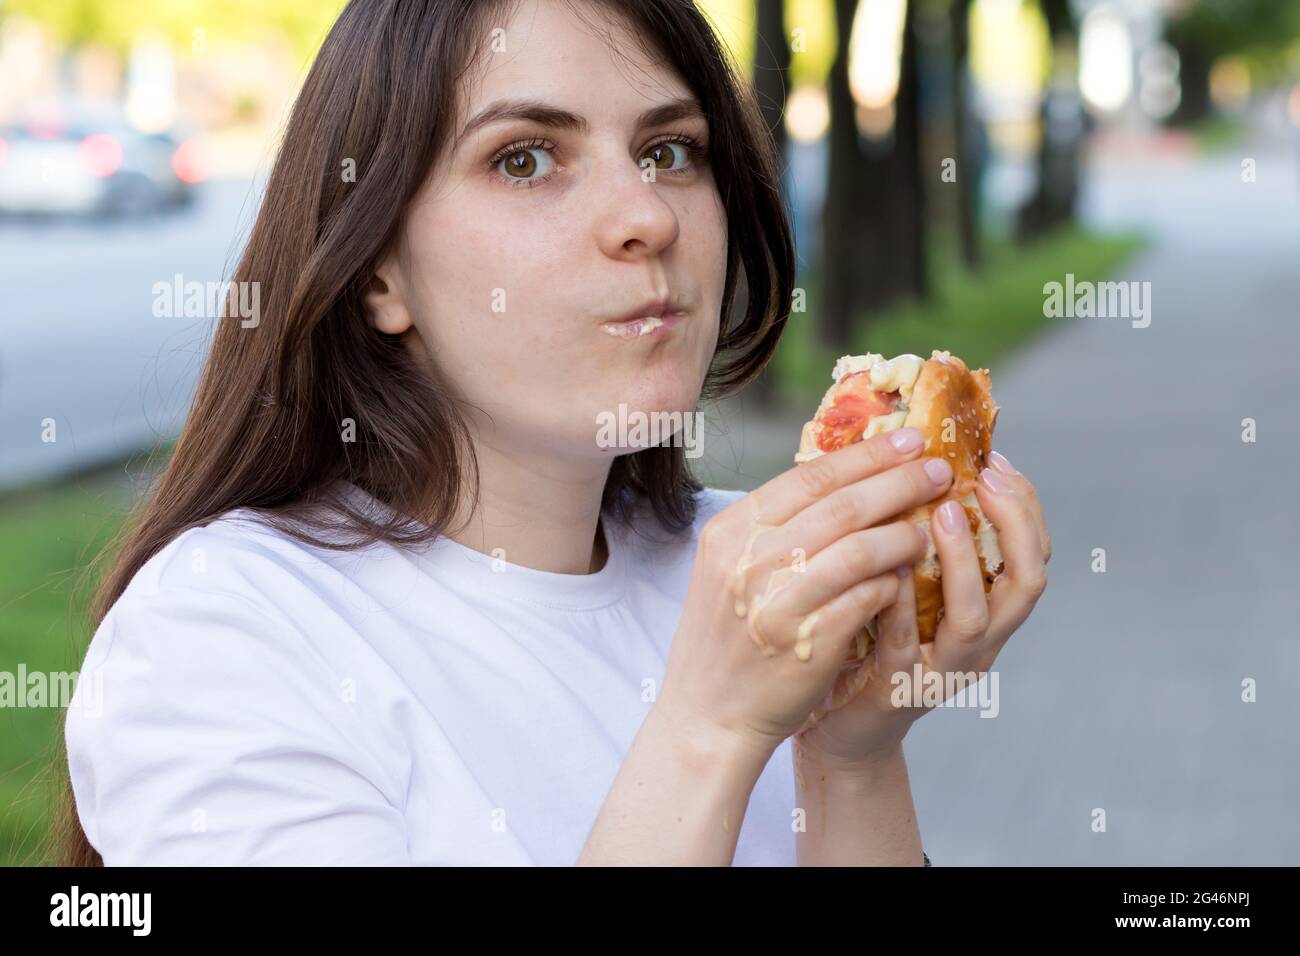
{"x": 531, "y": 236}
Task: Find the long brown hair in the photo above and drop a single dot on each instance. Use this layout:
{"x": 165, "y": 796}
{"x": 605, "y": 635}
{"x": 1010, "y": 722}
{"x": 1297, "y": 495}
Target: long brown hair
{"x": 263, "y": 430}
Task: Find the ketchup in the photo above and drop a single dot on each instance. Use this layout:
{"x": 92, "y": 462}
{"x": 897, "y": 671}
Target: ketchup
{"x": 854, "y": 405}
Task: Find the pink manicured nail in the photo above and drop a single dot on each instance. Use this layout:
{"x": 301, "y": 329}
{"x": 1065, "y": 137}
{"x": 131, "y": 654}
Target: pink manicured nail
{"x": 906, "y": 439}
{"x": 994, "y": 482}
{"x": 938, "y": 470}
{"x": 952, "y": 517}
{"x": 1001, "y": 464}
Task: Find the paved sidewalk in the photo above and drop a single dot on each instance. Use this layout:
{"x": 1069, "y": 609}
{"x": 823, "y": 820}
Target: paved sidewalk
{"x": 1123, "y": 692}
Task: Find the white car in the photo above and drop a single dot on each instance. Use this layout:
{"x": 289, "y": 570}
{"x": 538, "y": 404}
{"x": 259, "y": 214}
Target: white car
{"x": 56, "y": 168}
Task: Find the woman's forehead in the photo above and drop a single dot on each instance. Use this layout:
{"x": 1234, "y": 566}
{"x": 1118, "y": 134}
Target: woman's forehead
{"x": 544, "y": 52}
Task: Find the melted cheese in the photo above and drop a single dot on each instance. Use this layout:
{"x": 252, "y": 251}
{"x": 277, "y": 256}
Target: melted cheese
{"x": 848, "y": 364}
{"x": 885, "y": 423}
{"x": 898, "y": 374}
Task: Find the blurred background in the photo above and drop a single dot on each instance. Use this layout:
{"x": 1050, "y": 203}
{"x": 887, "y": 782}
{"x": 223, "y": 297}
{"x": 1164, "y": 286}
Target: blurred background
{"x": 946, "y": 162}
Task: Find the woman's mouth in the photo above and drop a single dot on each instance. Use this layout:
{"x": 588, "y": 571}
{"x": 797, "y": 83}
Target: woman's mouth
{"x": 647, "y": 325}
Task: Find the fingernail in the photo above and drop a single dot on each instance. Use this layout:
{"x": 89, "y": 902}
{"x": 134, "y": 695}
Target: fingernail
{"x": 938, "y": 470}
{"x": 1001, "y": 464}
{"x": 906, "y": 439}
{"x": 994, "y": 483}
{"x": 952, "y": 517}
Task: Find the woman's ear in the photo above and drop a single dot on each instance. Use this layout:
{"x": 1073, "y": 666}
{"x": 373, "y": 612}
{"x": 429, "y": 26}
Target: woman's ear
{"x": 386, "y": 310}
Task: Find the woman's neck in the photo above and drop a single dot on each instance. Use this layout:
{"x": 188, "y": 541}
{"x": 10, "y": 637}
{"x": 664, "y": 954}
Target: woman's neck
{"x": 541, "y": 514}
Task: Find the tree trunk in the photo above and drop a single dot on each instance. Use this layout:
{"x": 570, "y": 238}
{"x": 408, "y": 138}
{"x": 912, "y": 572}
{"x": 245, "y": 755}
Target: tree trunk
{"x": 1052, "y": 203}
{"x": 889, "y": 171}
{"x": 771, "y": 88}
{"x": 1194, "y": 77}
{"x": 844, "y": 254}
{"x": 966, "y": 137}
{"x": 908, "y": 178}
{"x": 873, "y": 249}
{"x": 772, "y": 69}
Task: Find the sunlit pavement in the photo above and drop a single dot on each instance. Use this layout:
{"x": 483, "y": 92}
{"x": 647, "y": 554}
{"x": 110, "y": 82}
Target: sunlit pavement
{"x": 1123, "y": 694}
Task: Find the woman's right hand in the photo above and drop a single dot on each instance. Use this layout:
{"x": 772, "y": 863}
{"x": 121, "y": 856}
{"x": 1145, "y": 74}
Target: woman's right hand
{"x": 784, "y": 582}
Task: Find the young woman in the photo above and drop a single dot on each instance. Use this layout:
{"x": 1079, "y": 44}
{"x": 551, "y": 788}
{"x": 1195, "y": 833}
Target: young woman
{"x": 393, "y": 602}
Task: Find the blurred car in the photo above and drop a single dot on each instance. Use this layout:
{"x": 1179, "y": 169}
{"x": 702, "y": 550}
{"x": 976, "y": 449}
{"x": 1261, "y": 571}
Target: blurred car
{"x": 58, "y": 167}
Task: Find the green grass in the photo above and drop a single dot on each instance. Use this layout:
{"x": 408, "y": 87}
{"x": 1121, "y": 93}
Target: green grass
{"x": 981, "y": 317}
{"x": 1217, "y": 132}
{"x": 47, "y": 537}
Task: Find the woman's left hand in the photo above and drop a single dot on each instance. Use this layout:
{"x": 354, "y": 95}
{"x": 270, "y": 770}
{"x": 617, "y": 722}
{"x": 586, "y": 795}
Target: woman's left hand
{"x": 863, "y": 722}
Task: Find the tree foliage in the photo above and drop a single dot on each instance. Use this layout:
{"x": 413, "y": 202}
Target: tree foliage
{"x": 115, "y": 23}
{"x": 1265, "y": 31}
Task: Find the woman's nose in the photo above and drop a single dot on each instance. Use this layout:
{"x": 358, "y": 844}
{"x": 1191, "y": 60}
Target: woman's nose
{"x": 634, "y": 218}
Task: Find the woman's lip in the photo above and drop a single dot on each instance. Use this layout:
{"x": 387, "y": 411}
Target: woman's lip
{"x": 642, "y": 327}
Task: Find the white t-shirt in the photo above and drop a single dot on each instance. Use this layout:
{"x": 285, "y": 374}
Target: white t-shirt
{"x": 266, "y": 702}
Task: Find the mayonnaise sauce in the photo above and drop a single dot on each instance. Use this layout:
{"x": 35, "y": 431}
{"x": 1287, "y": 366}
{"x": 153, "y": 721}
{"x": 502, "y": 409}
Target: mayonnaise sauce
{"x": 803, "y": 637}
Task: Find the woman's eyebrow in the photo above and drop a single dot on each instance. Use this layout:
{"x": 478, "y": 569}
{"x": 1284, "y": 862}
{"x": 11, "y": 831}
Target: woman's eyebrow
{"x": 543, "y": 113}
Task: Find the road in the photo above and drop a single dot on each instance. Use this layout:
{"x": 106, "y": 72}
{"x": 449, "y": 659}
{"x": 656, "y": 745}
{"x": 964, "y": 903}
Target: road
{"x": 80, "y": 344}
{"x": 1123, "y": 693}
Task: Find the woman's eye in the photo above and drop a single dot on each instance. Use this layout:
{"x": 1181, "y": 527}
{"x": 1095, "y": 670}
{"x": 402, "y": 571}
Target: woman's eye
{"x": 531, "y": 163}
{"x": 661, "y": 155}
{"x": 524, "y": 164}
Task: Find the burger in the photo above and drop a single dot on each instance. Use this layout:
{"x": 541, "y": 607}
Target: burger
{"x": 953, "y": 408}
